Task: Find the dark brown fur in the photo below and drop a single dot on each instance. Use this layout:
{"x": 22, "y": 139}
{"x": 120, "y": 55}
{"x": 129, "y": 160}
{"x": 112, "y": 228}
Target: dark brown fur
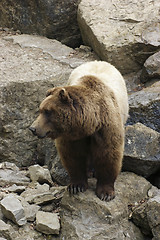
{"x": 86, "y": 123}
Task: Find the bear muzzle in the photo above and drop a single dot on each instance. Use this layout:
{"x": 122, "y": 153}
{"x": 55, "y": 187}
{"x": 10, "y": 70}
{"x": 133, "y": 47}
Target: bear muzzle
{"x": 36, "y": 133}
{"x": 33, "y": 130}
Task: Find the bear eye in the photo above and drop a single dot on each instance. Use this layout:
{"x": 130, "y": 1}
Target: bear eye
{"x": 47, "y": 113}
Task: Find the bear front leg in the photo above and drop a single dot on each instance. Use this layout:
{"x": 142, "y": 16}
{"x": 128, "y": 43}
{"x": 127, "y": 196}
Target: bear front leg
{"x": 77, "y": 173}
{"x": 108, "y": 154}
{"x": 76, "y": 186}
{"x": 73, "y": 155}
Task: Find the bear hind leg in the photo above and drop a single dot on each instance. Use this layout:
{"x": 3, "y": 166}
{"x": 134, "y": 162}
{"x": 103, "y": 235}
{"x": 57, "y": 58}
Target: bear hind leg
{"x": 107, "y": 170}
{"x": 107, "y": 158}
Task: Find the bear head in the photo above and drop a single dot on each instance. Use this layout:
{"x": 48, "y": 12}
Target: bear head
{"x": 55, "y": 115}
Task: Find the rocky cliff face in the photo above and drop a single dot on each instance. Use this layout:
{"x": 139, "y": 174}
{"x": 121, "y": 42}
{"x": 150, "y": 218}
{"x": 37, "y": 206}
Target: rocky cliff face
{"x": 125, "y": 34}
{"x": 30, "y": 65}
{"x": 53, "y": 19}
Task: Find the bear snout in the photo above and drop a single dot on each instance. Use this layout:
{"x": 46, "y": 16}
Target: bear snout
{"x": 37, "y": 132}
{"x": 33, "y": 130}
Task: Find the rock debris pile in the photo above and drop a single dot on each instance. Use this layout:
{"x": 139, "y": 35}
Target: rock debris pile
{"x": 39, "y": 208}
{"x": 32, "y": 205}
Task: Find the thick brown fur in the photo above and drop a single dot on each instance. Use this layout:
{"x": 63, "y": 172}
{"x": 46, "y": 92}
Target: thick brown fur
{"x": 86, "y": 122}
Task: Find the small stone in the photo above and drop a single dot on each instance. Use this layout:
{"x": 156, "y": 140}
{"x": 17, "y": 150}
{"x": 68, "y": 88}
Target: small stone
{"x": 40, "y": 174}
{"x": 153, "y": 216}
{"x": 7, "y": 176}
{"x": 151, "y": 68}
{"x": 5, "y": 231}
{"x": 15, "y": 189}
{"x": 58, "y": 192}
{"x": 43, "y": 198}
{"x": 153, "y": 191}
{"x": 139, "y": 218}
{"x": 8, "y": 165}
{"x": 35, "y": 190}
{"x": 13, "y": 210}
{"x": 47, "y": 223}
{"x": 30, "y": 210}
{"x": 49, "y": 207}
{"x": 39, "y": 196}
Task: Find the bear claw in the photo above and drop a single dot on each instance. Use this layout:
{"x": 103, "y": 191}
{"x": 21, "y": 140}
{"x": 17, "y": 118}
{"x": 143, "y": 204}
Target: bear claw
{"x": 107, "y": 197}
{"x": 76, "y": 188}
{"x": 105, "y": 193}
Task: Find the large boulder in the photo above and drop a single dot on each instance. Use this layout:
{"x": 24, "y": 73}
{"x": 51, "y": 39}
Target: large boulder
{"x": 53, "y": 19}
{"x": 142, "y": 150}
{"x": 146, "y": 215}
{"x": 144, "y": 106}
{"x": 124, "y": 33}
{"x": 84, "y": 216}
{"x": 29, "y": 66}
{"x": 151, "y": 69}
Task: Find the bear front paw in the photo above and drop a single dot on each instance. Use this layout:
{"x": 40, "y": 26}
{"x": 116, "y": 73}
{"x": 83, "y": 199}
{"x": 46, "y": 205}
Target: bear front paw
{"x": 105, "y": 193}
{"x": 74, "y": 188}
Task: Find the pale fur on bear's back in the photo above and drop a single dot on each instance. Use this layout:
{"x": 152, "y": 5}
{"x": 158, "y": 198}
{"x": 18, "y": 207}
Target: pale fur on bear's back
{"x": 109, "y": 75}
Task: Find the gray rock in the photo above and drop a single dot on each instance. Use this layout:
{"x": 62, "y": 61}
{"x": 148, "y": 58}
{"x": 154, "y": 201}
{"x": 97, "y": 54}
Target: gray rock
{"x": 30, "y": 210}
{"x": 151, "y": 68}
{"x": 84, "y": 216}
{"x": 8, "y": 165}
{"x": 41, "y": 195}
{"x": 42, "y": 198}
{"x": 44, "y": 63}
{"x": 153, "y": 191}
{"x": 58, "y": 172}
{"x": 50, "y": 207}
{"x": 13, "y": 210}
{"x": 11, "y": 177}
{"x": 139, "y": 217}
{"x": 145, "y": 107}
{"x": 34, "y": 189}
{"x": 153, "y": 209}
{"x": 146, "y": 215}
{"x": 54, "y": 19}
{"x": 47, "y": 223}
{"x": 40, "y": 174}
{"x": 5, "y": 231}
{"x": 124, "y": 33}
{"x": 142, "y": 150}
{"x": 15, "y": 189}
{"x": 58, "y": 191}
{"x": 26, "y": 232}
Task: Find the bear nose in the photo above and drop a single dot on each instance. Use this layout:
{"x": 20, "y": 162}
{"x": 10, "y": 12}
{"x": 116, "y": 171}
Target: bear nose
{"x": 33, "y": 130}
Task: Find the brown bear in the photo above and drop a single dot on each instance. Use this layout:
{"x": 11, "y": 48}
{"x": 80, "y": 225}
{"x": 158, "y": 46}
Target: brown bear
{"x": 86, "y": 119}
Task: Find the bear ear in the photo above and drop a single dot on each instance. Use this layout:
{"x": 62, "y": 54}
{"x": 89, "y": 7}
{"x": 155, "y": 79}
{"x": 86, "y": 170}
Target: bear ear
{"x": 49, "y": 92}
{"x": 63, "y": 94}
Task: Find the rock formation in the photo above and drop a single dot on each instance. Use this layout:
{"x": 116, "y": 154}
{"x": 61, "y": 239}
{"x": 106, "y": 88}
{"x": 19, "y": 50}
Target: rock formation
{"x": 125, "y": 34}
